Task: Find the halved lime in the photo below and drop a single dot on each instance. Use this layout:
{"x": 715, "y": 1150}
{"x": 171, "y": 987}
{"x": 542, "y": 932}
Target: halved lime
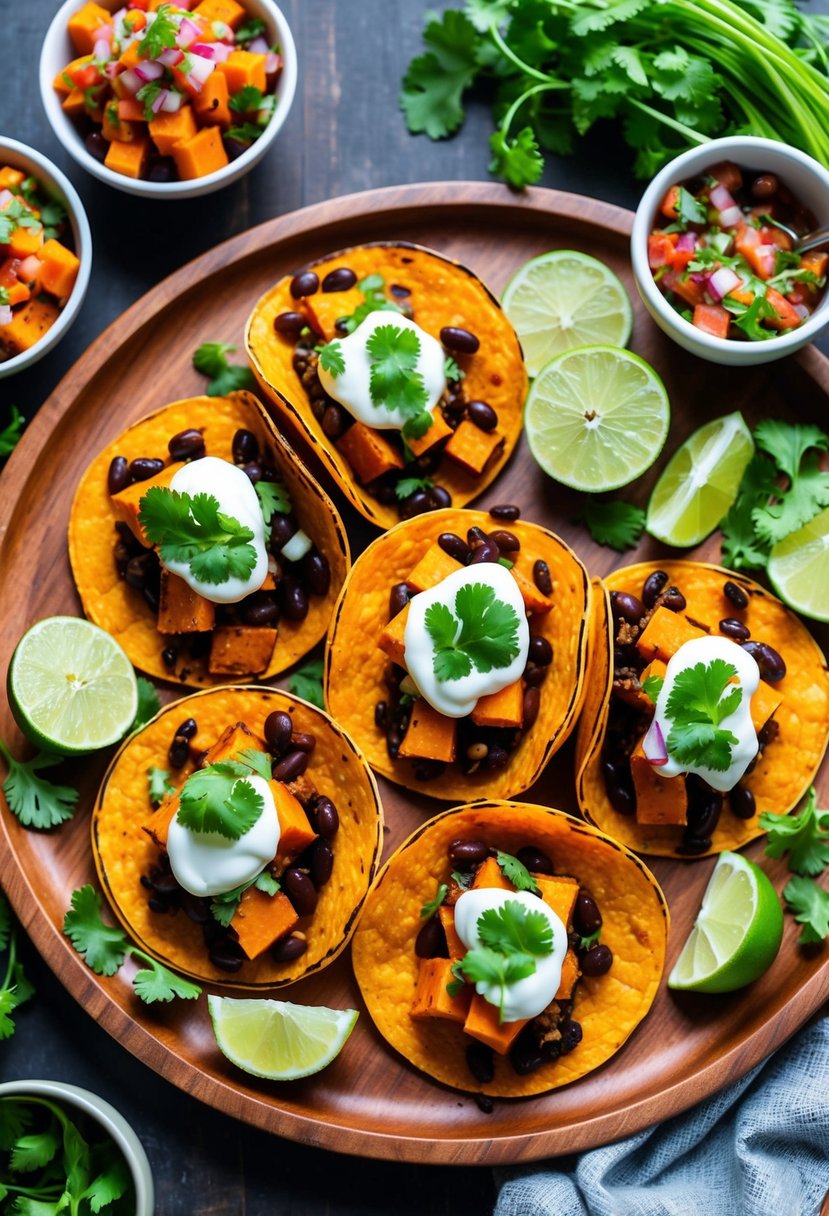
{"x": 737, "y": 932}
{"x": 700, "y": 482}
{"x": 562, "y": 300}
{"x": 276, "y": 1039}
{"x": 596, "y": 417}
{"x": 71, "y": 687}
{"x": 799, "y": 568}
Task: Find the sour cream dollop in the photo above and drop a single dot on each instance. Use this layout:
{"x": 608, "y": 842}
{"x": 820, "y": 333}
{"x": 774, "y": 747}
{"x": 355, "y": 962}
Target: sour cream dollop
{"x": 206, "y": 863}
{"x": 528, "y": 997}
{"x": 457, "y": 698}
{"x": 236, "y": 496}
{"x": 351, "y": 387}
{"x": 705, "y": 650}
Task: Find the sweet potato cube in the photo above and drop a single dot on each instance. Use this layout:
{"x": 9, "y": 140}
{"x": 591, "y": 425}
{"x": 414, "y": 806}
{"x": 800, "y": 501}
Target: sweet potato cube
{"x": 238, "y": 650}
{"x": 433, "y": 568}
{"x": 25, "y": 241}
{"x": 128, "y": 158}
{"x": 559, "y": 892}
{"x": 130, "y": 112}
{"x": 17, "y": 293}
{"x": 181, "y": 609}
{"x": 535, "y": 601}
{"x": 431, "y": 735}
{"x": 227, "y": 11}
{"x": 295, "y": 832}
{"x": 125, "y": 129}
{"x": 167, "y": 130}
{"x": 490, "y": 874}
{"x": 11, "y": 178}
{"x": 391, "y": 639}
{"x": 243, "y": 68}
{"x": 325, "y": 309}
{"x": 127, "y": 503}
{"x": 482, "y": 1024}
{"x": 764, "y": 704}
{"x": 203, "y": 153}
{"x": 83, "y": 25}
{"x": 58, "y": 269}
{"x": 234, "y": 739}
{"x": 440, "y": 429}
{"x": 73, "y": 103}
{"x": 261, "y": 919}
{"x": 28, "y": 325}
{"x": 368, "y": 452}
{"x": 211, "y": 104}
{"x": 659, "y": 800}
{"x": 431, "y": 1000}
{"x": 472, "y": 448}
{"x": 664, "y": 633}
{"x": 158, "y": 827}
{"x": 446, "y": 915}
{"x": 504, "y": 708}
{"x": 569, "y": 974}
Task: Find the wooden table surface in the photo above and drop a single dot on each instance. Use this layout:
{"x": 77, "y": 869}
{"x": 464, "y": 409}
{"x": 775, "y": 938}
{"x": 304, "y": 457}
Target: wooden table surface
{"x": 344, "y": 134}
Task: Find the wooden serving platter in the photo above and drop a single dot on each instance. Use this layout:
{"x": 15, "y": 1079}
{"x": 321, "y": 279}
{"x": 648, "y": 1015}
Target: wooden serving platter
{"x": 370, "y": 1102}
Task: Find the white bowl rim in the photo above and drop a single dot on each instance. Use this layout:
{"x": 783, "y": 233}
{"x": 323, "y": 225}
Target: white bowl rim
{"x": 69, "y": 138}
{"x": 82, "y": 236}
{"x": 670, "y": 174}
{"x": 110, "y": 1119}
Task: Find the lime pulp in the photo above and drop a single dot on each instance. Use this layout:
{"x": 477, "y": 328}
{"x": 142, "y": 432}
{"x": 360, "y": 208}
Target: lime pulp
{"x": 277, "y": 1039}
{"x": 799, "y": 568}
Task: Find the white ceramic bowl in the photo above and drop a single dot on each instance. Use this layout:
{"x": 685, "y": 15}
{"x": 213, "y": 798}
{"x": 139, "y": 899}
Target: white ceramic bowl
{"x": 107, "y": 1117}
{"x": 57, "y": 186}
{"x": 58, "y": 51}
{"x": 808, "y": 181}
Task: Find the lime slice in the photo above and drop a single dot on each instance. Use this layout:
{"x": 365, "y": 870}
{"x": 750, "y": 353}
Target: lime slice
{"x": 700, "y": 482}
{"x": 71, "y": 687}
{"x": 596, "y": 417}
{"x": 737, "y": 932}
{"x": 799, "y": 568}
{"x": 562, "y": 300}
{"x": 276, "y": 1039}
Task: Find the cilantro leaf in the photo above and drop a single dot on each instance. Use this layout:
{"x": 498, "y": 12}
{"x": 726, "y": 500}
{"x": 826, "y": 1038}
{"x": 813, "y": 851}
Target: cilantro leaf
{"x": 110, "y": 1184}
{"x": 11, "y": 432}
{"x": 517, "y": 160}
{"x": 159, "y": 785}
{"x": 211, "y": 360}
{"x": 36, "y": 802}
{"x": 220, "y": 799}
{"x": 491, "y": 967}
{"x": 484, "y": 634}
{"x": 652, "y": 686}
{"x": 431, "y": 906}
{"x": 251, "y": 29}
{"x": 810, "y": 904}
{"x": 374, "y": 300}
{"x": 306, "y": 682}
{"x": 394, "y": 382}
{"x": 273, "y": 497}
{"x": 517, "y": 873}
{"x": 147, "y": 94}
{"x": 451, "y": 369}
{"x": 6, "y": 924}
{"x": 33, "y": 1151}
{"x": 700, "y": 698}
{"x": 788, "y": 442}
{"x": 749, "y": 317}
{"x": 616, "y": 524}
{"x": 741, "y": 546}
{"x": 331, "y": 359}
{"x": 103, "y": 946}
{"x": 160, "y": 33}
{"x": 805, "y": 837}
{"x": 689, "y": 209}
{"x": 148, "y": 704}
{"x": 434, "y": 84}
{"x": 511, "y": 928}
{"x": 244, "y": 134}
{"x": 247, "y": 99}
{"x": 157, "y": 983}
{"x": 410, "y": 485}
{"x": 795, "y": 506}
{"x": 192, "y": 528}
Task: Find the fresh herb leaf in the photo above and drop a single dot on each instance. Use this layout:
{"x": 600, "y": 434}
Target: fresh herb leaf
{"x": 483, "y": 635}
{"x": 689, "y": 209}
{"x": 749, "y": 317}
{"x": 220, "y": 798}
{"x": 36, "y": 802}
{"x": 451, "y": 369}
{"x": 810, "y": 904}
{"x": 248, "y": 98}
{"x": 159, "y": 34}
{"x": 159, "y": 785}
{"x": 517, "y": 160}
{"x": 11, "y": 432}
{"x": 700, "y": 698}
{"x": 192, "y": 528}
{"x": 435, "y": 82}
{"x": 148, "y": 704}
{"x": 394, "y": 382}
{"x": 273, "y": 497}
{"x": 517, "y": 873}
{"x": 246, "y": 133}
{"x": 331, "y": 359}
{"x": 431, "y": 906}
{"x": 146, "y": 95}
{"x": 805, "y": 837}
{"x": 306, "y": 682}
{"x": 211, "y": 360}
{"x": 462, "y": 879}
{"x": 15, "y": 215}
{"x": 616, "y": 524}
{"x": 251, "y": 29}
{"x": 223, "y": 907}
{"x": 586, "y": 942}
{"x": 374, "y": 300}
{"x": 410, "y": 485}
{"x": 158, "y": 983}
{"x": 512, "y": 938}
{"x": 652, "y": 686}
{"x": 15, "y": 987}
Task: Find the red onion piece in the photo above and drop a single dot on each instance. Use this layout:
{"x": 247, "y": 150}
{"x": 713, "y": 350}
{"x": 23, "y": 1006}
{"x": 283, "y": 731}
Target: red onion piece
{"x": 222, "y": 31}
{"x": 148, "y": 71}
{"x": 6, "y": 197}
{"x": 5, "y": 314}
{"x": 172, "y": 102}
{"x": 205, "y": 49}
{"x": 730, "y": 217}
{"x": 221, "y": 50}
{"x": 170, "y": 57}
{"x": 118, "y": 17}
{"x": 130, "y": 81}
{"x": 200, "y": 69}
{"x": 721, "y": 198}
{"x": 258, "y": 46}
{"x": 158, "y": 101}
{"x": 188, "y": 32}
{"x": 698, "y": 277}
{"x": 101, "y": 49}
{"x": 28, "y": 268}
{"x": 687, "y": 240}
{"x": 104, "y": 31}
{"x": 721, "y": 282}
{"x": 802, "y": 311}
{"x": 653, "y": 745}
{"x": 113, "y": 69}
{"x": 273, "y": 64}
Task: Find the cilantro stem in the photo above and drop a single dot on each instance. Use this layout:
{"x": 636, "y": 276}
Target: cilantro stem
{"x": 510, "y": 54}
{"x": 673, "y": 123}
{"x": 525, "y": 96}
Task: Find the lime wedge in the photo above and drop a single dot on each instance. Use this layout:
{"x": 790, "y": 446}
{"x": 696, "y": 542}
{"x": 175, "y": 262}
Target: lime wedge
{"x": 276, "y": 1039}
{"x": 799, "y": 568}
{"x": 71, "y": 687}
{"x": 737, "y": 932}
{"x": 700, "y": 482}
{"x": 596, "y": 417}
{"x": 562, "y": 300}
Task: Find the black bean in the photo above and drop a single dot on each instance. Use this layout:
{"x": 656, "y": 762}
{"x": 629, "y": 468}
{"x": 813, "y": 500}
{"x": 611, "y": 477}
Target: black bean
{"x": 234, "y": 147}
{"x": 536, "y": 860}
{"x": 692, "y": 845}
{"x": 772, "y": 664}
{"x": 732, "y": 628}
{"x": 278, "y": 729}
{"x": 507, "y": 542}
{"x": 393, "y": 740}
{"x": 459, "y": 341}
{"x": 303, "y": 741}
{"x": 482, "y": 415}
{"x": 654, "y": 585}
{"x": 381, "y": 710}
{"x": 428, "y": 770}
{"x": 486, "y": 552}
{"x": 253, "y": 471}
{"x": 531, "y": 706}
{"x": 300, "y": 890}
{"x": 441, "y": 498}
{"x": 431, "y": 940}
{"x": 144, "y": 467}
{"x": 597, "y": 960}
{"x": 339, "y": 280}
{"x": 734, "y": 593}
{"x": 226, "y": 955}
{"x": 497, "y": 758}
{"x": 399, "y": 291}
{"x": 468, "y": 852}
{"x": 283, "y": 528}
{"x": 674, "y": 600}
{"x": 455, "y": 546}
{"x": 534, "y": 676}
{"x": 195, "y": 908}
{"x": 289, "y": 324}
{"x": 541, "y": 651}
{"x": 480, "y": 1060}
{"x": 168, "y": 656}
{"x": 399, "y": 597}
{"x": 294, "y": 599}
{"x": 187, "y": 445}
{"x": 619, "y": 786}
{"x": 188, "y": 729}
{"x": 415, "y": 504}
{"x": 764, "y": 186}
{"x": 118, "y": 477}
{"x": 260, "y": 609}
{"x": 505, "y": 511}
{"x": 306, "y": 283}
{"x": 526, "y": 1055}
{"x": 178, "y": 752}
{"x": 476, "y": 536}
{"x": 334, "y": 420}
{"x": 768, "y": 732}
{"x": 96, "y": 145}
{"x": 626, "y": 607}
{"x": 140, "y": 570}
{"x": 741, "y": 801}
{"x": 704, "y": 808}
{"x": 288, "y": 948}
{"x": 542, "y": 578}
{"x": 587, "y": 918}
{"x": 291, "y": 766}
{"x": 325, "y": 818}
{"x": 151, "y": 596}
{"x": 316, "y": 573}
{"x": 320, "y": 862}
{"x": 571, "y": 1032}
{"x": 245, "y": 447}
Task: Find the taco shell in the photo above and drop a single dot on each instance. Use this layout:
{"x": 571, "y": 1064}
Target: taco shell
{"x": 122, "y": 610}
{"x": 123, "y": 851}
{"x": 355, "y": 666}
{"x": 441, "y": 292}
{"x": 609, "y": 1008}
{"x": 787, "y": 765}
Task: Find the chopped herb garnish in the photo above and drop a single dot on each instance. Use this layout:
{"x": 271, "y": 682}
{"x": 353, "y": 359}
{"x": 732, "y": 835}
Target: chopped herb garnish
{"x": 159, "y": 785}
{"x": 804, "y": 837}
{"x": 36, "y": 802}
{"x": 410, "y": 485}
{"x": 689, "y": 209}
{"x": 512, "y": 938}
{"x": 432, "y": 905}
{"x": 652, "y": 686}
{"x": 159, "y": 34}
{"x": 810, "y": 905}
{"x": 516, "y": 872}
{"x": 700, "y": 698}
{"x": 483, "y": 634}
{"x": 191, "y": 528}
{"x": 223, "y": 907}
{"x": 16, "y": 215}
{"x": 15, "y": 988}
{"x": 244, "y": 134}
{"x": 374, "y": 300}
{"x": 451, "y": 369}
{"x": 394, "y": 382}
{"x": 147, "y": 95}
{"x": 273, "y": 497}
{"x": 252, "y": 28}
{"x": 211, "y": 360}
{"x": 220, "y": 798}
{"x": 332, "y": 359}
{"x": 306, "y": 682}
{"x": 248, "y": 99}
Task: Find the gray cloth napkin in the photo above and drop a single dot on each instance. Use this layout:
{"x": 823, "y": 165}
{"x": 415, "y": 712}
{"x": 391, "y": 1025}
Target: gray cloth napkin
{"x": 758, "y": 1148}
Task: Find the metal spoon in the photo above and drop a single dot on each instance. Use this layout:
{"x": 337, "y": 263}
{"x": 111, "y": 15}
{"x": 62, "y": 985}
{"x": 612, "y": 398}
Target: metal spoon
{"x": 812, "y": 240}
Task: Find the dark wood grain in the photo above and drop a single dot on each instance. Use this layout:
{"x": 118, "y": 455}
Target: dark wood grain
{"x": 369, "y": 1102}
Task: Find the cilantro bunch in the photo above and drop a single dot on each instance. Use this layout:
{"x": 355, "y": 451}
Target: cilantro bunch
{"x": 11, "y": 432}
{"x": 805, "y": 838}
{"x": 15, "y": 988}
{"x": 672, "y": 73}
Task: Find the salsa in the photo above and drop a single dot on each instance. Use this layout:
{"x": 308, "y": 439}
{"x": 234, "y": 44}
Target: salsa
{"x": 723, "y": 257}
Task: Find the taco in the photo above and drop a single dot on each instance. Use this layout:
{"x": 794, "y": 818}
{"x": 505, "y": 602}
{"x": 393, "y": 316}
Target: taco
{"x": 170, "y": 629}
{"x": 390, "y": 456}
{"x": 609, "y": 928}
{"x": 192, "y": 901}
{"x": 645, "y": 771}
{"x": 380, "y": 683}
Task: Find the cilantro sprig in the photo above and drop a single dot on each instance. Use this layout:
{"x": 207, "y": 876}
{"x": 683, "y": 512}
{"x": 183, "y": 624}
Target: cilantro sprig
{"x": 512, "y": 938}
{"x": 15, "y": 987}
{"x": 160, "y": 33}
{"x": 481, "y": 633}
{"x": 36, "y": 802}
{"x": 804, "y": 840}
{"x": 223, "y": 907}
{"x": 306, "y": 682}
{"x": 431, "y": 906}
{"x": 223, "y": 377}
{"x": 701, "y": 697}
{"x": 11, "y": 432}
{"x": 332, "y": 359}
{"x": 516, "y": 872}
{"x": 810, "y": 905}
{"x": 220, "y": 797}
{"x": 374, "y": 300}
{"x": 616, "y": 524}
{"x": 106, "y": 947}
{"x": 410, "y": 485}
{"x": 394, "y": 381}
{"x": 191, "y": 528}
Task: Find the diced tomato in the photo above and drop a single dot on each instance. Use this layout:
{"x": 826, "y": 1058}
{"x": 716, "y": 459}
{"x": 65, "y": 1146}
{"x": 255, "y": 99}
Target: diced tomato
{"x": 139, "y": 4}
{"x": 686, "y": 288}
{"x": 661, "y": 249}
{"x": 762, "y": 258}
{"x": 727, "y": 174}
{"x": 786, "y": 316}
{"x": 776, "y": 236}
{"x": 130, "y": 110}
{"x": 802, "y": 293}
{"x": 669, "y": 205}
{"x": 135, "y": 20}
{"x": 8, "y": 272}
{"x": 712, "y": 319}
{"x": 682, "y": 257}
{"x": 86, "y": 76}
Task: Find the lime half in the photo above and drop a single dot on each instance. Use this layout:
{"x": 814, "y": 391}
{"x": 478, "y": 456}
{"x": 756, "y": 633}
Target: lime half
{"x": 562, "y": 300}
{"x": 71, "y": 687}
{"x": 799, "y": 568}
{"x": 276, "y": 1039}
{"x": 700, "y": 482}
{"x": 737, "y": 932}
{"x": 596, "y": 417}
